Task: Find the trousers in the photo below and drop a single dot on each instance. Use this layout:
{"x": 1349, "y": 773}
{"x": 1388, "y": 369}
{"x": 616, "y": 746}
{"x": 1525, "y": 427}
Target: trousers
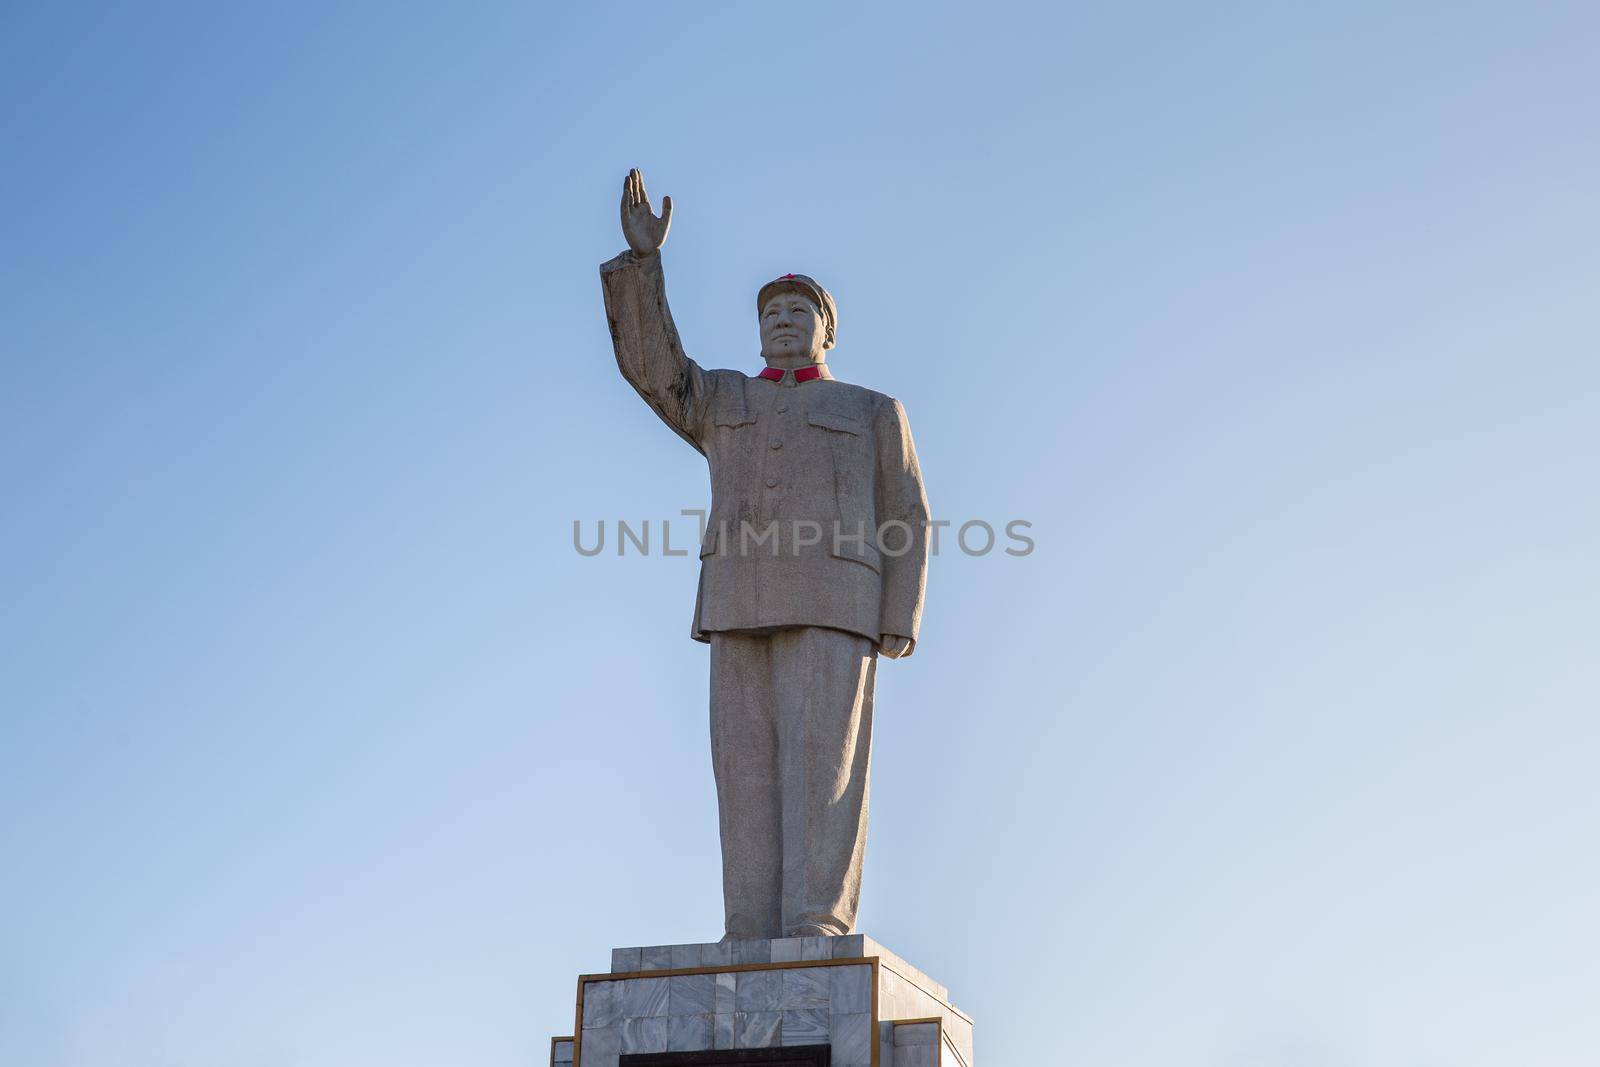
{"x": 791, "y": 746}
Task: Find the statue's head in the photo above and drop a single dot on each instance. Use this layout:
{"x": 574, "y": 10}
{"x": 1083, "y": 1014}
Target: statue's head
{"x": 798, "y": 318}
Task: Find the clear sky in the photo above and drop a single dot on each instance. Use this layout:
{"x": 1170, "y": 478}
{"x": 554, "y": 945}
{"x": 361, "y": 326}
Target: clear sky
{"x": 320, "y": 746}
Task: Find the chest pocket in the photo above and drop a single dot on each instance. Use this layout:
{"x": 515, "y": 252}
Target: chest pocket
{"x": 837, "y": 423}
{"x": 847, "y": 445}
{"x": 735, "y": 417}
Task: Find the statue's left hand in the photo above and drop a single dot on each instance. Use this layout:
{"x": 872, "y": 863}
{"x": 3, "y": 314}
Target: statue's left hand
{"x": 893, "y": 645}
{"x": 645, "y": 233}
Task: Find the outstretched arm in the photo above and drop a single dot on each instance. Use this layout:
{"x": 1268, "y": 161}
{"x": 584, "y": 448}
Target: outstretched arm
{"x": 649, "y": 353}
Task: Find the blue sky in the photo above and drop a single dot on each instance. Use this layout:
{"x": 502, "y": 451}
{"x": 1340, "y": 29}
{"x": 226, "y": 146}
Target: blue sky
{"x": 320, "y": 745}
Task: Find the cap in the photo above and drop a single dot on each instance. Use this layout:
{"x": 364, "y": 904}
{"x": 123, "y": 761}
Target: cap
{"x": 808, "y": 287}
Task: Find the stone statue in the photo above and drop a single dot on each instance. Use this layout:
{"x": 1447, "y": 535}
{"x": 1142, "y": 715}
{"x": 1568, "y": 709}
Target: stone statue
{"x": 813, "y": 562}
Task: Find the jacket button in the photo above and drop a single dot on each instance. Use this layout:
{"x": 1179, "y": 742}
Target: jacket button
{"x": 782, "y": 408}
{"x": 777, "y": 442}
{"x": 772, "y": 483}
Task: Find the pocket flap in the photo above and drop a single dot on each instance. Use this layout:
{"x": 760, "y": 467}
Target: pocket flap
{"x": 859, "y": 552}
{"x": 711, "y": 543}
{"x": 735, "y": 417}
{"x": 841, "y": 423}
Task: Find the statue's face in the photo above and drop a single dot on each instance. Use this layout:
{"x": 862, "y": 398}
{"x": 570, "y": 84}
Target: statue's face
{"x": 791, "y": 325}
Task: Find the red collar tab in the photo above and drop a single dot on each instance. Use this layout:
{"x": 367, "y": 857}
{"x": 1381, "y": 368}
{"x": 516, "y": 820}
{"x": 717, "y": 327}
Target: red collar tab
{"x": 801, "y": 374}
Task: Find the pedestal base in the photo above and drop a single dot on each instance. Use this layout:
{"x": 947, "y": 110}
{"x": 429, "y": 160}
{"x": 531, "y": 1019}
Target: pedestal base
{"x": 830, "y": 1001}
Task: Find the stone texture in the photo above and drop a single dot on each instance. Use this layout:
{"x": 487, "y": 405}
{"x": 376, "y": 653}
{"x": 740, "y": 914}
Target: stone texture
{"x": 851, "y": 947}
{"x": 601, "y": 1046}
{"x": 913, "y": 1056}
{"x": 601, "y": 1006}
{"x": 916, "y": 1034}
{"x": 911, "y": 974}
{"x": 716, "y": 954}
{"x": 795, "y": 632}
{"x": 790, "y": 949}
{"x": 561, "y": 1052}
{"x": 851, "y": 1037}
{"x": 758, "y": 991}
{"x": 899, "y": 998}
{"x": 786, "y": 1004}
{"x": 752, "y": 951}
{"x": 656, "y": 958}
{"x": 845, "y": 461}
{"x": 807, "y": 1026}
{"x": 644, "y": 1035}
{"x": 807, "y": 988}
{"x": 791, "y": 723}
{"x": 849, "y": 989}
{"x": 691, "y": 994}
{"x": 755, "y": 1029}
{"x": 625, "y": 960}
{"x": 642, "y": 997}
{"x": 722, "y": 1030}
{"x": 689, "y": 1033}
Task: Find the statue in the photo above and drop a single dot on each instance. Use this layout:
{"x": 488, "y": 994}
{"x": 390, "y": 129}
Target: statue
{"x": 813, "y": 562}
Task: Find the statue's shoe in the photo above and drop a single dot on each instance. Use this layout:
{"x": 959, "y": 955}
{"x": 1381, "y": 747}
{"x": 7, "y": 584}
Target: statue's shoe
{"x": 811, "y": 930}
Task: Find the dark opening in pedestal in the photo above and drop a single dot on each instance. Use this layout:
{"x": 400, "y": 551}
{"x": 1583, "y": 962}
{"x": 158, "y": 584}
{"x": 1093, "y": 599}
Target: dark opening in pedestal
{"x": 798, "y": 1056}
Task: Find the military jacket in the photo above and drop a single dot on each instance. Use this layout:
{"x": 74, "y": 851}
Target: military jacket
{"x": 818, "y": 514}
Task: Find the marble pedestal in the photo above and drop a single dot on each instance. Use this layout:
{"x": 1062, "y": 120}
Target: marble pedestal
{"x": 849, "y": 995}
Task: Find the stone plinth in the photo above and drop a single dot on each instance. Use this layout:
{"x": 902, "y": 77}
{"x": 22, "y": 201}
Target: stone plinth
{"x": 866, "y": 1006}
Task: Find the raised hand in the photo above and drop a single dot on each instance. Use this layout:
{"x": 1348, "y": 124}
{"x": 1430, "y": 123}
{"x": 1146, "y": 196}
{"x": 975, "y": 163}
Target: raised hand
{"x": 645, "y": 232}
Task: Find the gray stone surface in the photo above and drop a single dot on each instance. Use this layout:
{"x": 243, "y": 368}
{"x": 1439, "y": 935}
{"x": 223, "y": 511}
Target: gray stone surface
{"x": 916, "y": 1056}
{"x": 806, "y": 988}
{"x": 851, "y": 1038}
{"x": 691, "y": 994}
{"x": 601, "y": 1005}
{"x": 846, "y": 452}
{"x": 805, "y": 1026}
{"x": 716, "y": 954}
{"x": 561, "y": 1051}
{"x": 825, "y": 466}
{"x": 757, "y": 951}
{"x": 917, "y": 1045}
{"x": 850, "y": 989}
{"x": 791, "y": 729}
{"x": 780, "y": 950}
{"x": 644, "y": 1035}
{"x": 789, "y": 949}
{"x": 601, "y": 1047}
{"x": 808, "y": 992}
{"x": 756, "y": 1029}
{"x": 689, "y": 1033}
{"x": 916, "y": 1034}
{"x": 758, "y": 991}
{"x": 642, "y": 997}
{"x": 851, "y": 946}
